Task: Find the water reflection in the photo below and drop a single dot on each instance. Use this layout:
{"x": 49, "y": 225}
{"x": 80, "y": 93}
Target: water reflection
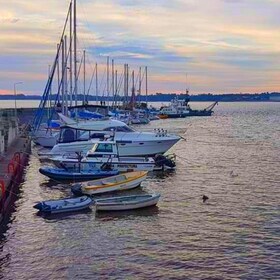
{"x": 127, "y": 214}
{"x": 233, "y": 235}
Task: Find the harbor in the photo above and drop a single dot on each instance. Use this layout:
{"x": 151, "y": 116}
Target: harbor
{"x": 139, "y": 140}
{"x": 225, "y": 157}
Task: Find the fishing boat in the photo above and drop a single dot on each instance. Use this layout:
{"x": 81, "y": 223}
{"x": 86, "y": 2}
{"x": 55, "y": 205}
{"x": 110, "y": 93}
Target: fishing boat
{"x": 124, "y": 181}
{"x": 61, "y": 174}
{"x": 126, "y": 202}
{"x": 64, "y": 205}
{"x": 181, "y": 109}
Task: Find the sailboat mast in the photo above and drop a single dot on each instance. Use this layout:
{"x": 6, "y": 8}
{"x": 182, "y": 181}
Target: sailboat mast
{"x": 113, "y": 78}
{"x": 58, "y": 74}
{"x": 140, "y": 84}
{"x": 116, "y": 88}
{"x": 65, "y": 75}
{"x": 146, "y": 76}
{"x": 84, "y": 52}
{"x": 75, "y": 53}
{"x": 70, "y": 55}
{"x": 96, "y": 83}
{"x": 62, "y": 76}
{"x": 108, "y": 73}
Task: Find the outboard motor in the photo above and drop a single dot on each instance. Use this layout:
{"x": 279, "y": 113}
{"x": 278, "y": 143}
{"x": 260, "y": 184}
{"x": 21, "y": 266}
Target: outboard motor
{"x": 166, "y": 162}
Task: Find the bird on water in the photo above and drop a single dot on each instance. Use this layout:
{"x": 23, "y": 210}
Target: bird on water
{"x": 204, "y": 198}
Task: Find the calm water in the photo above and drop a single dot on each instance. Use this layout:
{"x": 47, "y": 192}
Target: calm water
{"x": 233, "y": 157}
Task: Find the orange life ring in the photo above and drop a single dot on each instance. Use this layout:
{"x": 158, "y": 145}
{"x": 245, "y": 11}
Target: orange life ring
{"x": 2, "y": 186}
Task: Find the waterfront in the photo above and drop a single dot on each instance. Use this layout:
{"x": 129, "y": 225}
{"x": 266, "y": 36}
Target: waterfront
{"x": 233, "y": 157}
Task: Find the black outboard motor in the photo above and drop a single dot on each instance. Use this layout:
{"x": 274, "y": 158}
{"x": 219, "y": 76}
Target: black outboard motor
{"x": 165, "y": 161}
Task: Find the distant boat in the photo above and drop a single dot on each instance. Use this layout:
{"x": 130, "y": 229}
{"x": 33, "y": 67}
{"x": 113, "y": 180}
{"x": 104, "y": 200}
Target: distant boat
{"x": 126, "y": 202}
{"x": 124, "y": 181}
{"x": 64, "y": 205}
{"x": 181, "y": 109}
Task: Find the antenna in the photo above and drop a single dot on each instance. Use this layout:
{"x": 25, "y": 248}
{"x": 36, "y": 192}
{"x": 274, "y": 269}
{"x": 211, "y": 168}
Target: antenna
{"x": 187, "y": 90}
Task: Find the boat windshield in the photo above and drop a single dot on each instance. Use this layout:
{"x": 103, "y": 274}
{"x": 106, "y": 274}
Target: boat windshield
{"x": 102, "y": 148}
{"x": 123, "y": 128}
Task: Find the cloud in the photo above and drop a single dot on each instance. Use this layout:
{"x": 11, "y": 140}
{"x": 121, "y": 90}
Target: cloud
{"x": 224, "y": 45}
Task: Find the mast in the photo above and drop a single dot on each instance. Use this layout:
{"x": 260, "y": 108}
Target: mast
{"x": 65, "y": 75}
{"x": 96, "y": 83}
{"x": 75, "y": 53}
{"x": 58, "y": 74}
{"x": 116, "y": 88}
{"x": 187, "y": 90}
{"x": 49, "y": 96}
{"x": 133, "y": 91}
{"x": 62, "y": 75}
{"x": 140, "y": 83}
{"x": 113, "y": 78}
{"x": 84, "y": 52}
{"x": 146, "y": 70}
{"x": 124, "y": 84}
{"x": 70, "y": 55}
{"x": 108, "y": 75}
{"x": 127, "y": 84}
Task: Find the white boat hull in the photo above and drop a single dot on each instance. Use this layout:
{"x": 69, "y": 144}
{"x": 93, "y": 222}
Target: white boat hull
{"x": 106, "y": 205}
{"x": 117, "y": 187}
{"x": 125, "y": 148}
{"x": 122, "y": 165}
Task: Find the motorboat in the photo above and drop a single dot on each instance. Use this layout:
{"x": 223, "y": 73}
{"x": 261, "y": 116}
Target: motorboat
{"x": 120, "y": 182}
{"x": 131, "y": 202}
{"x": 61, "y": 174}
{"x": 105, "y": 153}
{"x": 81, "y": 136}
{"x": 64, "y": 205}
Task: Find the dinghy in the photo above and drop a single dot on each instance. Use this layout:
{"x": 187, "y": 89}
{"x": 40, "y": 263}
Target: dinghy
{"x": 76, "y": 175}
{"x": 64, "y": 205}
{"x": 126, "y": 202}
{"x": 124, "y": 181}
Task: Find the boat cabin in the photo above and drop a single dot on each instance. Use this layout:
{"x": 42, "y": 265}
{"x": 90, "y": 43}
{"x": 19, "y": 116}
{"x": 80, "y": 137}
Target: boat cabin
{"x": 104, "y": 149}
{"x": 70, "y": 134}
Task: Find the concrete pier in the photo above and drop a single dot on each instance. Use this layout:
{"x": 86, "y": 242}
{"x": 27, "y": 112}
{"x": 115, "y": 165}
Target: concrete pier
{"x": 15, "y": 148}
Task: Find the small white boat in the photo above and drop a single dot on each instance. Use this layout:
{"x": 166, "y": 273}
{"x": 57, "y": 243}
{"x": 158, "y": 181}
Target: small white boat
{"x": 126, "y": 202}
{"x": 124, "y": 181}
{"x": 64, "y": 205}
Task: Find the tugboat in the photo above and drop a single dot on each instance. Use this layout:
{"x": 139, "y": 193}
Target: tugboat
{"x": 181, "y": 109}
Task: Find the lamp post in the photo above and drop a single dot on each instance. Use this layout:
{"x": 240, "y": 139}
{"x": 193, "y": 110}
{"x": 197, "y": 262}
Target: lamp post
{"x": 15, "y": 95}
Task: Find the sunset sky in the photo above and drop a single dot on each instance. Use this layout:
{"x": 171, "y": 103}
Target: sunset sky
{"x": 223, "y": 45}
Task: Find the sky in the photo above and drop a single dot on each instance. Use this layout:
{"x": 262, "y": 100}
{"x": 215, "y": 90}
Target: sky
{"x": 222, "y": 46}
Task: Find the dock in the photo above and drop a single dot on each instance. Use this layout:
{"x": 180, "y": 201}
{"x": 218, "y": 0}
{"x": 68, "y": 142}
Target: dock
{"x": 15, "y": 147}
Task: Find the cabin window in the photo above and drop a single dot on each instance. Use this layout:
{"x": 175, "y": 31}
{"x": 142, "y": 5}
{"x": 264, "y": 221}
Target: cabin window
{"x": 68, "y": 135}
{"x": 104, "y": 148}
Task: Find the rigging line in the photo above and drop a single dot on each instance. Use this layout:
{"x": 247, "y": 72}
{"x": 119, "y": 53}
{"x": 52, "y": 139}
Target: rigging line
{"x": 91, "y": 80}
